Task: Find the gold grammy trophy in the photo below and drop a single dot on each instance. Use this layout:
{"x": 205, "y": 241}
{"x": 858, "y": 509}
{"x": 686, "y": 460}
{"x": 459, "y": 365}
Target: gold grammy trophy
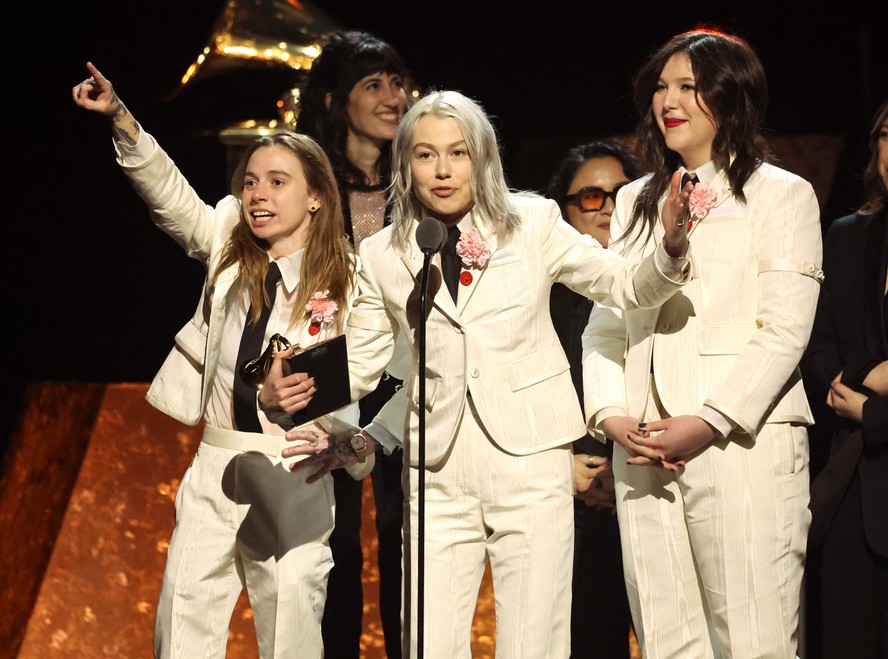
{"x": 261, "y": 34}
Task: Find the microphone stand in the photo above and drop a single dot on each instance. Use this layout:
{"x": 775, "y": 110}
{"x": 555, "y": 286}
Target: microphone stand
{"x": 431, "y": 235}
{"x": 420, "y": 527}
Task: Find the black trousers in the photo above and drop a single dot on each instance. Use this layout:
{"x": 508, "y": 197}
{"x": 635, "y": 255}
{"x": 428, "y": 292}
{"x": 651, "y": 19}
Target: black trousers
{"x": 599, "y": 619}
{"x": 342, "y": 624}
{"x": 344, "y": 610}
{"x": 389, "y": 498}
{"x": 853, "y": 587}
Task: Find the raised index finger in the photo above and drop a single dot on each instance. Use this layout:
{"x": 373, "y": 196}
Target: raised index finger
{"x": 95, "y": 73}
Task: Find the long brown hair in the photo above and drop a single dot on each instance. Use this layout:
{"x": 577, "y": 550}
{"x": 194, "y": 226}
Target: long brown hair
{"x": 730, "y": 78}
{"x": 328, "y": 263}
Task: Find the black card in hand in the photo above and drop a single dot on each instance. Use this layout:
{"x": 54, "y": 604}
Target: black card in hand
{"x": 327, "y": 363}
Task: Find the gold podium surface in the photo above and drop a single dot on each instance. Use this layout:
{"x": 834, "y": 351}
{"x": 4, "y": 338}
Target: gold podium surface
{"x": 86, "y": 505}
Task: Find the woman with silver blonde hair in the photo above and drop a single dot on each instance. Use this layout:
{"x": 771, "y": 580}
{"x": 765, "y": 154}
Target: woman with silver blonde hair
{"x": 500, "y": 407}
{"x": 489, "y": 188}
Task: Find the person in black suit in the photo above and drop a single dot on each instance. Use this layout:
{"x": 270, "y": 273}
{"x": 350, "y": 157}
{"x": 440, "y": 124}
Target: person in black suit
{"x": 585, "y": 184}
{"x": 846, "y": 365}
{"x": 352, "y": 103}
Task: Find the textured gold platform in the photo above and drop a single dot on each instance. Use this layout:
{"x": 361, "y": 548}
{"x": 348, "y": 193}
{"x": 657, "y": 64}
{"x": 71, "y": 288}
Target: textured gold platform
{"x": 86, "y": 507}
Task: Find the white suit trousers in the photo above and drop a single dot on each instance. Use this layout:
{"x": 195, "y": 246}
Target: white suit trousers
{"x": 482, "y": 503}
{"x": 242, "y": 520}
{"x": 714, "y": 556}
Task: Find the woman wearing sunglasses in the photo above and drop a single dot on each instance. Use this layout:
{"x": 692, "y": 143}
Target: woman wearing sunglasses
{"x": 585, "y": 186}
{"x": 586, "y": 182}
{"x": 714, "y": 529}
{"x": 275, "y": 253}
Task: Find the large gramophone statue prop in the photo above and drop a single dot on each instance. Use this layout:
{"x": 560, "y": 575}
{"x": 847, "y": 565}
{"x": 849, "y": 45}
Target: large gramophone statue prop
{"x": 256, "y": 35}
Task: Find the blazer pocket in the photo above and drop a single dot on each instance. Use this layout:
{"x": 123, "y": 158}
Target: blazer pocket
{"x": 724, "y": 339}
{"x": 725, "y": 214}
{"x": 192, "y": 340}
{"x": 504, "y": 256}
{"x": 431, "y": 389}
{"x": 536, "y": 367}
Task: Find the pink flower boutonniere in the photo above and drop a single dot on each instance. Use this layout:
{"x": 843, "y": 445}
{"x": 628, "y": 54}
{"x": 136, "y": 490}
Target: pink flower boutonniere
{"x": 472, "y": 249}
{"x": 701, "y": 201}
{"x": 322, "y": 310}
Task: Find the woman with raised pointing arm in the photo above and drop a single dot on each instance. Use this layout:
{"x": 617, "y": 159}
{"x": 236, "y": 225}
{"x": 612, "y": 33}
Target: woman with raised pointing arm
{"x": 277, "y": 262}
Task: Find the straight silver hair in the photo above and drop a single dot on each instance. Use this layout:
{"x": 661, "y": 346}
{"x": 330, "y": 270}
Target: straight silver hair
{"x": 489, "y": 189}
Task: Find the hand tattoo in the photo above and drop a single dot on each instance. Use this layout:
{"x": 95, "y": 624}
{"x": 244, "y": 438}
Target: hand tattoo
{"x": 342, "y": 452}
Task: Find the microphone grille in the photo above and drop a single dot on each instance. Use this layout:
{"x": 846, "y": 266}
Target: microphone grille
{"x": 431, "y": 234}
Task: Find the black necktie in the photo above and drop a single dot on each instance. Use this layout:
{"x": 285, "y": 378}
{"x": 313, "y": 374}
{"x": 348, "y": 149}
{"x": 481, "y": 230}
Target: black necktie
{"x": 688, "y": 177}
{"x": 450, "y": 261}
{"x": 245, "y": 418}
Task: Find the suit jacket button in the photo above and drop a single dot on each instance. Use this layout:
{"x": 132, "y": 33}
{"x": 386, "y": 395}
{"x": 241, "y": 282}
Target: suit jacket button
{"x": 474, "y": 373}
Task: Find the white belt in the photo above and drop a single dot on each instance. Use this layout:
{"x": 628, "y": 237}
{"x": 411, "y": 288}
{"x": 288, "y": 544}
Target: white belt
{"x": 244, "y": 441}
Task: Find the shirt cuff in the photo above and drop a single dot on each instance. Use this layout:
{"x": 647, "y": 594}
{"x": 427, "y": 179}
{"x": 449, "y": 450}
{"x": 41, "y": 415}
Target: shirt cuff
{"x": 273, "y": 421}
{"x": 135, "y": 154}
{"x": 606, "y": 413}
{"x": 383, "y": 437}
{"x": 675, "y": 268}
{"x": 717, "y": 420}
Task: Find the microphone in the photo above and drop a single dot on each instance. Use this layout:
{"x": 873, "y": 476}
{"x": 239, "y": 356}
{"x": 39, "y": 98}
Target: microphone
{"x": 431, "y": 234}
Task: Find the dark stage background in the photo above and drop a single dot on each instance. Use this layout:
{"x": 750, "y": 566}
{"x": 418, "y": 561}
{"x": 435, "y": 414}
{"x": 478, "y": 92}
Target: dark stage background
{"x": 93, "y": 292}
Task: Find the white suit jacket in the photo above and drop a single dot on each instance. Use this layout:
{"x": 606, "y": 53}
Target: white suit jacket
{"x": 498, "y": 343}
{"x": 181, "y": 387}
{"x": 733, "y": 337}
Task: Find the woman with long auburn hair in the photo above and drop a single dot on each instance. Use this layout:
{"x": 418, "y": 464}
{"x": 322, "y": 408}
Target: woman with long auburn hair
{"x": 278, "y": 262}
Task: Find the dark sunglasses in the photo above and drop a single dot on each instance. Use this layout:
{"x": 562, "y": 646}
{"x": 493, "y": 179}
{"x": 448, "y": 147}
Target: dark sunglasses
{"x": 592, "y": 199}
